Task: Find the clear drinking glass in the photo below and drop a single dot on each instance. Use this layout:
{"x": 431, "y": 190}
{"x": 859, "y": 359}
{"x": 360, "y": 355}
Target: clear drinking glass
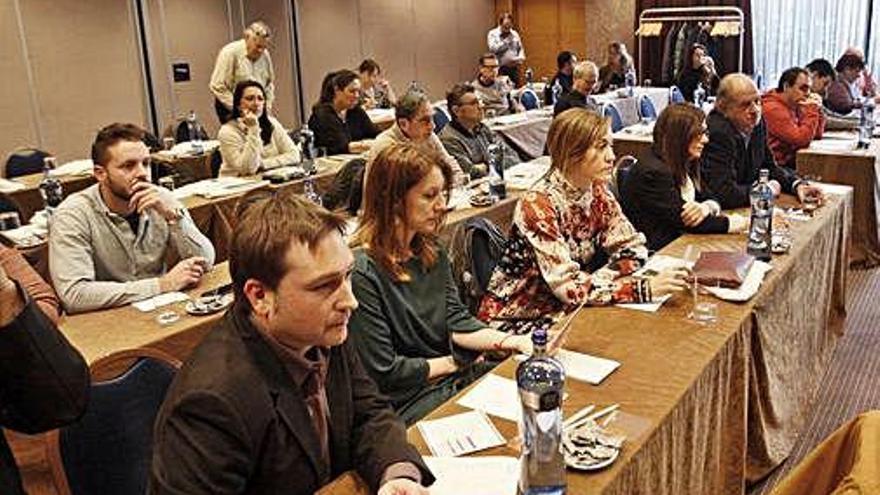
{"x": 703, "y": 311}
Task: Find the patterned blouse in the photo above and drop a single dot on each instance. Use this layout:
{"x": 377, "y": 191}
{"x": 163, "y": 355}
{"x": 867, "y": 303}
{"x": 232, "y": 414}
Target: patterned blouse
{"x": 558, "y": 232}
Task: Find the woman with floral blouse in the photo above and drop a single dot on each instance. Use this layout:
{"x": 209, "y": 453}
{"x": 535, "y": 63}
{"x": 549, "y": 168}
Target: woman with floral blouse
{"x": 570, "y": 242}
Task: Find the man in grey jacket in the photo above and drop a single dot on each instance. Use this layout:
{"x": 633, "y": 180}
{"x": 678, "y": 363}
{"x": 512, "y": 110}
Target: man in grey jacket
{"x": 108, "y": 244}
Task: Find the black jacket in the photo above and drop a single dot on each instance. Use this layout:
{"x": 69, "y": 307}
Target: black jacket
{"x": 563, "y": 80}
{"x": 44, "y": 384}
{"x": 334, "y": 134}
{"x": 652, "y": 202}
{"x": 730, "y": 167}
{"x": 234, "y": 422}
{"x": 574, "y": 99}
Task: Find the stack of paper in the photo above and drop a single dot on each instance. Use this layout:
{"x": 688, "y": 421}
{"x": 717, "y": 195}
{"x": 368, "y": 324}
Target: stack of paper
{"x": 219, "y": 187}
{"x": 460, "y": 434}
{"x": 748, "y": 288}
{"x": 490, "y": 475}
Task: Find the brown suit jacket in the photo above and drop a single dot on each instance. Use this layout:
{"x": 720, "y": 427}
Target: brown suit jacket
{"x": 233, "y": 422}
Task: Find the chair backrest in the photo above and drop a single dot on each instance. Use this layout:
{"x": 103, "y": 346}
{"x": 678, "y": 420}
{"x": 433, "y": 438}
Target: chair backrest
{"x": 108, "y": 450}
{"x": 440, "y": 119}
{"x": 759, "y": 81}
{"x": 609, "y": 110}
{"x": 529, "y": 99}
{"x": 24, "y": 161}
{"x": 675, "y": 95}
{"x": 621, "y": 172}
{"x": 477, "y": 245}
{"x": 347, "y": 187}
{"x": 646, "y": 108}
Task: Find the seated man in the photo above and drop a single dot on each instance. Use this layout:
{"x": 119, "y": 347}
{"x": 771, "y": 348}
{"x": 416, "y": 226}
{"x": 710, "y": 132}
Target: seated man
{"x": 585, "y": 76}
{"x": 844, "y": 94}
{"x": 561, "y": 82}
{"x": 275, "y": 399}
{"x": 108, "y": 244}
{"x": 496, "y": 92}
{"x": 44, "y": 381}
{"x": 737, "y": 149}
{"x": 821, "y": 75}
{"x": 414, "y": 123}
{"x": 794, "y": 116}
{"x": 466, "y": 137}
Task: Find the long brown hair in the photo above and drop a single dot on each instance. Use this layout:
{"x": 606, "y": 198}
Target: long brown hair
{"x": 395, "y": 171}
{"x": 678, "y": 125}
{"x": 572, "y": 134}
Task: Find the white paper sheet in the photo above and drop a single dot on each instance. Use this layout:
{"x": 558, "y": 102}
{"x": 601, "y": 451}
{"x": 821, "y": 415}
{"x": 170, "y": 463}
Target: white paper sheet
{"x": 460, "y": 434}
{"x": 656, "y": 263}
{"x": 584, "y": 367}
{"x": 477, "y": 475}
{"x": 8, "y": 186}
{"x": 75, "y": 167}
{"x": 748, "y": 288}
{"x": 833, "y": 145}
{"x": 153, "y": 303}
{"x": 494, "y": 395}
{"x": 219, "y": 187}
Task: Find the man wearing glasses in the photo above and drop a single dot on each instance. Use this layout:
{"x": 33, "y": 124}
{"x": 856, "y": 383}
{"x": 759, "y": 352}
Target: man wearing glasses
{"x": 793, "y": 114}
{"x": 495, "y": 91}
{"x": 737, "y": 149}
{"x": 585, "y": 76}
{"x": 466, "y": 137}
{"x": 246, "y": 59}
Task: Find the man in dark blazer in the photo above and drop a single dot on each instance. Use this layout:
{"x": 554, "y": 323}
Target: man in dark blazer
{"x": 275, "y": 399}
{"x": 44, "y": 381}
{"x": 738, "y": 149}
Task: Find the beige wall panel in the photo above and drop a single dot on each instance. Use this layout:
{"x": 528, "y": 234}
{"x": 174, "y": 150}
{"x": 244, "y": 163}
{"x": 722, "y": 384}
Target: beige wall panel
{"x": 275, "y": 14}
{"x": 17, "y": 125}
{"x": 607, "y": 22}
{"x": 475, "y": 19}
{"x": 436, "y": 56}
{"x": 195, "y": 30}
{"x": 86, "y": 69}
{"x": 329, "y": 40}
{"x": 390, "y": 36}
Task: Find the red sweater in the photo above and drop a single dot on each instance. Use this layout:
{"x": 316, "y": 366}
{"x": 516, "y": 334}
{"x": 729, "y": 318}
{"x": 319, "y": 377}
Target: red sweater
{"x": 789, "y": 130}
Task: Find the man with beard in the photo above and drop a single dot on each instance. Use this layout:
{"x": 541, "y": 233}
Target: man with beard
{"x": 108, "y": 244}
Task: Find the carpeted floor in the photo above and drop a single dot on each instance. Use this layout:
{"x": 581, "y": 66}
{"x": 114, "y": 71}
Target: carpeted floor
{"x": 852, "y": 383}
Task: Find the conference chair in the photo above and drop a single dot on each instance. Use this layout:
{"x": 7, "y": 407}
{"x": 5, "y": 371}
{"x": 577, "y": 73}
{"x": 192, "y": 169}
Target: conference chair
{"x": 610, "y": 111}
{"x": 108, "y": 450}
{"x": 24, "y": 161}
{"x": 675, "y": 95}
{"x": 529, "y": 99}
{"x": 621, "y": 172}
{"x": 440, "y": 120}
{"x": 646, "y": 108}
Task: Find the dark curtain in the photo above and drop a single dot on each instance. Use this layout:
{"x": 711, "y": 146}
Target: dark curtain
{"x": 729, "y": 52}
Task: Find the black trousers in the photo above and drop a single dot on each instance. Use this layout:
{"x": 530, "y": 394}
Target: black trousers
{"x": 511, "y": 71}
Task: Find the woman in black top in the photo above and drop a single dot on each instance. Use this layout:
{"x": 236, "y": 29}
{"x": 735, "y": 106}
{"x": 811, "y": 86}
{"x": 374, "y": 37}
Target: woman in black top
{"x": 698, "y": 68}
{"x": 338, "y": 121}
{"x": 662, "y": 195}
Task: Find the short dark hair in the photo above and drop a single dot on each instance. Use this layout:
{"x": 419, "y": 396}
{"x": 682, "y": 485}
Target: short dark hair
{"x": 822, "y": 68}
{"x": 112, "y": 134}
{"x": 564, "y": 58}
{"x": 486, "y": 56}
{"x": 453, "y": 97}
{"x": 505, "y": 15}
{"x": 789, "y": 77}
{"x": 266, "y": 127}
{"x": 369, "y": 66}
{"x": 336, "y": 81}
{"x": 408, "y": 105}
{"x": 849, "y": 61}
{"x": 267, "y": 221}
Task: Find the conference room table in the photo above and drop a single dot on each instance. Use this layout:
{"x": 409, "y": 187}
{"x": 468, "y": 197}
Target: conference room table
{"x": 836, "y": 160}
{"x": 628, "y": 106}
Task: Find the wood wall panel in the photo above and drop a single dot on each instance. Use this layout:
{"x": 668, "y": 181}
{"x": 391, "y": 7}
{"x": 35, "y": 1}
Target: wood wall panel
{"x": 87, "y": 70}
{"x": 607, "y": 22}
{"x": 389, "y": 35}
{"x": 17, "y": 127}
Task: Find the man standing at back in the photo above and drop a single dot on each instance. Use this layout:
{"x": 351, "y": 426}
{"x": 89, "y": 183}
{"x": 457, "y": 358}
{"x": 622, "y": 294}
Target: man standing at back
{"x": 507, "y": 46}
{"x": 246, "y": 59}
{"x": 275, "y": 400}
{"x": 108, "y": 244}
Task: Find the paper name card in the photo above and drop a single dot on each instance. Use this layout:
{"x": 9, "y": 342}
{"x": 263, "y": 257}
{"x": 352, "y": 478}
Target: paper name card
{"x": 460, "y": 434}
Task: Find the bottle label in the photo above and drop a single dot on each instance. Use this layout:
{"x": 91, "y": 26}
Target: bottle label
{"x": 547, "y": 401}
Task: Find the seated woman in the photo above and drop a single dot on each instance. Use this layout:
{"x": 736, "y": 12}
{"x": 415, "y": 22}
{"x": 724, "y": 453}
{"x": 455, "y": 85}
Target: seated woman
{"x": 699, "y": 69}
{"x": 411, "y": 329}
{"x": 339, "y": 122}
{"x": 662, "y": 194}
{"x": 253, "y": 140}
{"x": 566, "y": 227}
{"x": 612, "y": 75}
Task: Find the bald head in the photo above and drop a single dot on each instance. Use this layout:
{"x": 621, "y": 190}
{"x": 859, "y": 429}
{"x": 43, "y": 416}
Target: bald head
{"x": 256, "y": 39}
{"x": 584, "y": 76}
{"x": 739, "y": 100}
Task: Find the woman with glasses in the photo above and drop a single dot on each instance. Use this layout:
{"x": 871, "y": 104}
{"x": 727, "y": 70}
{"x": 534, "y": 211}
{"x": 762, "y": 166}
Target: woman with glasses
{"x": 570, "y": 243}
{"x": 253, "y": 141}
{"x": 662, "y": 194}
{"x": 793, "y": 114}
{"x": 414, "y": 335}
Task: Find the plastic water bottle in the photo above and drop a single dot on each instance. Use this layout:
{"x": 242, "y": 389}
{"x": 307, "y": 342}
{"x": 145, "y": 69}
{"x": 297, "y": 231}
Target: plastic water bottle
{"x": 760, "y": 240}
{"x": 530, "y": 78}
{"x": 309, "y": 152}
{"x": 699, "y": 96}
{"x": 541, "y": 380}
{"x": 50, "y": 187}
{"x": 495, "y": 164}
{"x": 629, "y": 79}
{"x": 557, "y": 91}
{"x": 866, "y": 123}
{"x": 310, "y": 192}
